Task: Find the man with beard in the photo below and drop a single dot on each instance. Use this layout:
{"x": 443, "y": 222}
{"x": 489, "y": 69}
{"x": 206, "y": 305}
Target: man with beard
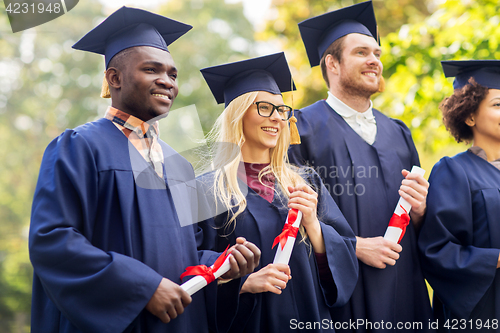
{"x": 363, "y": 156}
{"x": 112, "y": 226}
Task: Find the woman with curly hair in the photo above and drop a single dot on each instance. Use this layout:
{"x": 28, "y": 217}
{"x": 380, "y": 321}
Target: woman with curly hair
{"x": 460, "y": 238}
{"x": 254, "y": 189}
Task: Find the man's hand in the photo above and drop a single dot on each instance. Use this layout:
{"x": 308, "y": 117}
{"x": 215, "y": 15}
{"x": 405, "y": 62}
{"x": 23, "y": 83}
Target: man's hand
{"x": 168, "y": 301}
{"x": 414, "y": 190}
{"x": 244, "y": 257}
{"x": 272, "y": 278}
{"x": 377, "y": 251}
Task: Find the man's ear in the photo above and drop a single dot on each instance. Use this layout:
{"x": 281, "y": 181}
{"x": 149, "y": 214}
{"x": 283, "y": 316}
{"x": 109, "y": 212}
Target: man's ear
{"x": 470, "y": 121}
{"x": 114, "y": 78}
{"x": 331, "y": 64}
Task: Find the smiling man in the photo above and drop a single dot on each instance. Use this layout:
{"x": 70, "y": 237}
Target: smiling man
{"x": 363, "y": 156}
{"x": 107, "y": 249}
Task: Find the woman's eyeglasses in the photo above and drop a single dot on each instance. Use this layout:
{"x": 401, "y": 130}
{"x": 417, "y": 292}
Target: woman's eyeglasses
{"x": 266, "y": 109}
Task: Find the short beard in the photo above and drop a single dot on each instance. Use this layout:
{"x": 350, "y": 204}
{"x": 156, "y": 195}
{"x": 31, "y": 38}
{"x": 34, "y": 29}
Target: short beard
{"x": 354, "y": 89}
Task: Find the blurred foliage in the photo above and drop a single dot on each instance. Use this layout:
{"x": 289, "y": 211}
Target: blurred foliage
{"x": 220, "y": 34}
{"x": 45, "y": 87}
{"x": 457, "y": 30}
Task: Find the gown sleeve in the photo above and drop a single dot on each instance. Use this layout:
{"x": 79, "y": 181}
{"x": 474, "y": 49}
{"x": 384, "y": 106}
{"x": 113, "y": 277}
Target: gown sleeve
{"x": 459, "y": 272}
{"x": 97, "y": 291}
{"x": 340, "y": 244}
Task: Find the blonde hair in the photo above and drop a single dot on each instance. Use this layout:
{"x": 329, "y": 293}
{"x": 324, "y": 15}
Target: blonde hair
{"x": 228, "y": 128}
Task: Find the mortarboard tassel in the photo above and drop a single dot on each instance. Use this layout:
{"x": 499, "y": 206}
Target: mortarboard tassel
{"x": 381, "y": 86}
{"x": 294, "y": 132}
{"x": 105, "y": 88}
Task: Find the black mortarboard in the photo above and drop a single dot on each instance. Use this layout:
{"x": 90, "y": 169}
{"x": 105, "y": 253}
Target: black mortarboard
{"x": 319, "y": 32}
{"x": 485, "y": 72}
{"x": 129, "y": 27}
{"x": 268, "y": 73}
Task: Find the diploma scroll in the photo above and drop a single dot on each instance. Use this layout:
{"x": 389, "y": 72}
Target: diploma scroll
{"x": 401, "y": 218}
{"x": 204, "y": 274}
{"x": 287, "y": 237}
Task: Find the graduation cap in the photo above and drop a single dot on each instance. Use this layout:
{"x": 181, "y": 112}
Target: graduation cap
{"x": 129, "y": 27}
{"x": 319, "y": 32}
{"x": 268, "y": 73}
{"x": 485, "y": 72}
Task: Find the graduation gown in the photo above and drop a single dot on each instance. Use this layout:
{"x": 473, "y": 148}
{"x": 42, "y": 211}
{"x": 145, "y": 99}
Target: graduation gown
{"x": 102, "y": 238}
{"x": 460, "y": 238}
{"x": 305, "y": 301}
{"x": 364, "y": 181}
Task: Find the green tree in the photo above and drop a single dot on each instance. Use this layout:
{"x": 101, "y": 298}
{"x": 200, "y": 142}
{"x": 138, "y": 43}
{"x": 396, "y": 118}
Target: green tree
{"x": 220, "y": 34}
{"x": 457, "y": 30}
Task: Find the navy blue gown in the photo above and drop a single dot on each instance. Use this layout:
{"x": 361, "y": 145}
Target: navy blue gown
{"x": 305, "y": 301}
{"x": 100, "y": 242}
{"x": 460, "y": 240}
{"x": 364, "y": 181}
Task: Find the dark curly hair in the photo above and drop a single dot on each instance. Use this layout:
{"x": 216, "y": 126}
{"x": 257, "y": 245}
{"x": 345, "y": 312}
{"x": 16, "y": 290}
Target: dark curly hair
{"x": 458, "y": 107}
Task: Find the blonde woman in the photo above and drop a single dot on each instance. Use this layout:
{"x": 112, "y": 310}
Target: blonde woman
{"x": 256, "y": 189}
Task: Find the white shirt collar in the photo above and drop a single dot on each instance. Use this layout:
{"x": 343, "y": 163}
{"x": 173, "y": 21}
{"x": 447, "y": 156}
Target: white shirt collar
{"x": 346, "y": 111}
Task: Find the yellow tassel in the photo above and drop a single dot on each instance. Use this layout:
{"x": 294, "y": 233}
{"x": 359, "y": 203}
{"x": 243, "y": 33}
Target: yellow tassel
{"x": 105, "y": 88}
{"x": 294, "y": 132}
{"x": 381, "y": 86}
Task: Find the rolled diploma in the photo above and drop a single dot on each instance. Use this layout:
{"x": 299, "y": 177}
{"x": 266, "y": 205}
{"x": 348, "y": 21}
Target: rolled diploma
{"x": 283, "y": 256}
{"x": 393, "y": 233}
{"x": 198, "y": 282}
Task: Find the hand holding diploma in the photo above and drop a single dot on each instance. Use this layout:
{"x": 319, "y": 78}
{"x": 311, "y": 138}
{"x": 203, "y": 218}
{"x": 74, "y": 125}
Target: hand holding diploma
{"x": 241, "y": 259}
{"x": 168, "y": 301}
{"x": 401, "y": 218}
{"x": 305, "y": 199}
{"x": 303, "y": 203}
{"x": 303, "y": 207}
{"x": 274, "y": 277}
{"x": 204, "y": 274}
{"x": 286, "y": 239}
{"x": 379, "y": 252}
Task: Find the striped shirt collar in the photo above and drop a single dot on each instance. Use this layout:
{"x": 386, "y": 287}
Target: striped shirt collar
{"x": 132, "y": 123}
{"x": 142, "y": 135}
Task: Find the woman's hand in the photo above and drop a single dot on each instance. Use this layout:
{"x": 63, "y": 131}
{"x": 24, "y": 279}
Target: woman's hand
{"x": 303, "y": 198}
{"x": 272, "y": 278}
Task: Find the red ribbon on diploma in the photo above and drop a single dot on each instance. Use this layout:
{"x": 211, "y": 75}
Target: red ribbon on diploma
{"x": 207, "y": 272}
{"x": 288, "y": 229}
{"x": 400, "y": 221}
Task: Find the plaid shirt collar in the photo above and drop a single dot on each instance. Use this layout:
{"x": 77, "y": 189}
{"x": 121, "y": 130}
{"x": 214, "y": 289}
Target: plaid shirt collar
{"x": 132, "y": 123}
{"x": 143, "y": 136}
